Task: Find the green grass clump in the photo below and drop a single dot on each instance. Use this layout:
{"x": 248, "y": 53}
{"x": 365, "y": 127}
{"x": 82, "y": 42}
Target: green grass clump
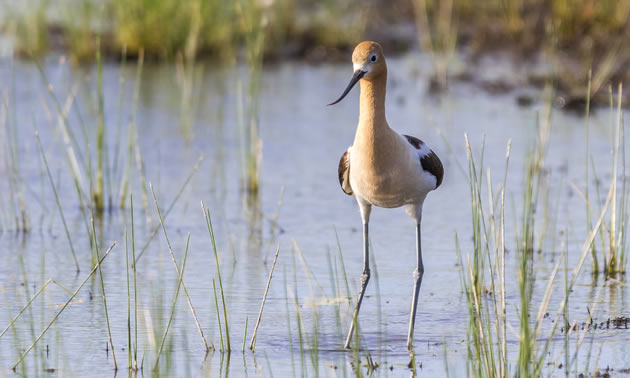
{"x": 613, "y": 246}
{"x": 521, "y": 20}
{"x": 484, "y": 272}
{"x": 14, "y": 212}
{"x": 166, "y": 27}
{"x": 227, "y": 348}
{"x": 612, "y": 242}
{"x": 30, "y": 27}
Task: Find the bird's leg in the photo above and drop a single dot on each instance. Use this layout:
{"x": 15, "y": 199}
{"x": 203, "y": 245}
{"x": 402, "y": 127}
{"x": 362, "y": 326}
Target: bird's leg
{"x": 365, "y": 277}
{"x": 417, "y": 277}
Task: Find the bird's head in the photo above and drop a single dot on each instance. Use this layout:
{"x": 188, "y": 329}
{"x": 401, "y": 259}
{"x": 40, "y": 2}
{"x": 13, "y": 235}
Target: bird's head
{"x": 368, "y": 62}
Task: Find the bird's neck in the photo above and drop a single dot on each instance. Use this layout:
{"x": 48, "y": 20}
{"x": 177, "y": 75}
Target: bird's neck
{"x": 372, "y": 101}
{"x": 372, "y": 122}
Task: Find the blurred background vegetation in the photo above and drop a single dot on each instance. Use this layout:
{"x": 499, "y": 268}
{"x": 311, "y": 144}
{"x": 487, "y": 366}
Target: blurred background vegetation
{"x": 576, "y": 35}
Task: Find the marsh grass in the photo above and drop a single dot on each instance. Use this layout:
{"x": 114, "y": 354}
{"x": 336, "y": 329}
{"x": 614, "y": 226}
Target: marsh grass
{"x": 72, "y": 152}
{"x": 82, "y": 22}
{"x": 98, "y": 193}
{"x": 584, "y": 38}
{"x": 102, "y": 281}
{"x": 208, "y": 219}
{"x": 180, "y": 283}
{"x": 135, "y": 291}
{"x": 191, "y": 26}
{"x": 252, "y": 343}
{"x": 165, "y": 28}
{"x": 614, "y": 235}
{"x": 216, "y": 304}
{"x": 93, "y": 162}
{"x": 30, "y": 27}
{"x": 437, "y": 33}
{"x": 287, "y": 311}
{"x": 59, "y": 207}
{"x": 65, "y": 305}
{"x": 248, "y": 109}
{"x": 130, "y": 346}
{"x": 177, "y": 270}
{"x": 79, "y": 157}
{"x": 157, "y": 228}
{"x": 483, "y": 274}
{"x": 17, "y": 217}
{"x": 615, "y": 258}
{"x": 31, "y": 300}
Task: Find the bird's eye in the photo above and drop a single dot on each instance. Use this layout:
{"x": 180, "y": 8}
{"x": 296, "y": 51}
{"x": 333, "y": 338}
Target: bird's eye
{"x": 373, "y": 58}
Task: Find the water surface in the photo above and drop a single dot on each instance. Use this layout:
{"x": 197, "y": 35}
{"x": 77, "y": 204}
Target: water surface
{"x": 182, "y": 115}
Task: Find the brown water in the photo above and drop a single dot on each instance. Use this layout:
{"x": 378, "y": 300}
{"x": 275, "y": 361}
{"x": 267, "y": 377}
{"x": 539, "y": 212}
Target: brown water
{"x": 302, "y": 142}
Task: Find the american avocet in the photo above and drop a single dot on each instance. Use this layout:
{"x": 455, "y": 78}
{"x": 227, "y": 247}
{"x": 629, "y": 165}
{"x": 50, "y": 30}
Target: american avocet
{"x": 382, "y": 167}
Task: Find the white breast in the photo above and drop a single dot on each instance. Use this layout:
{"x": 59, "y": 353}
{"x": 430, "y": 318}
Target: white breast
{"x": 396, "y": 180}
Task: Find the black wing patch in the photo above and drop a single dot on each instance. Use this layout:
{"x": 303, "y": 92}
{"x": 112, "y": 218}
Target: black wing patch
{"x": 430, "y": 162}
{"x": 417, "y": 143}
{"x": 344, "y": 173}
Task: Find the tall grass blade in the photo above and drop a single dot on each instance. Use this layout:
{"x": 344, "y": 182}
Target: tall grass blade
{"x": 156, "y": 229}
{"x": 54, "y": 188}
{"x": 174, "y": 305}
{"x": 100, "y": 274}
{"x": 252, "y": 343}
{"x": 94, "y": 269}
{"x": 206, "y": 213}
{"x": 170, "y": 250}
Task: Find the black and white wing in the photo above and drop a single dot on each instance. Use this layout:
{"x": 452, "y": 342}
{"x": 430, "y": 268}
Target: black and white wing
{"x": 430, "y": 161}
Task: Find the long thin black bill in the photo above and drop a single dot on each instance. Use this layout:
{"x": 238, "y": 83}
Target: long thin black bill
{"x": 358, "y": 74}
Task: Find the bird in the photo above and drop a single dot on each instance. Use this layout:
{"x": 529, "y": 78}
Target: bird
{"x": 383, "y": 167}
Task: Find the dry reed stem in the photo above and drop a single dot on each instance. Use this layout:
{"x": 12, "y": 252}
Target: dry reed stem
{"x": 252, "y": 343}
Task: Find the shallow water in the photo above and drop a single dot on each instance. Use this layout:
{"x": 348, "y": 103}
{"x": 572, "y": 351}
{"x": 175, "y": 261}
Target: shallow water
{"x": 183, "y": 115}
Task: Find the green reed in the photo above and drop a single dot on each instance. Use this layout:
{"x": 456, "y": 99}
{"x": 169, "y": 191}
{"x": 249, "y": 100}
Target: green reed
{"x": 100, "y": 274}
{"x": 483, "y": 275}
{"x": 173, "y": 306}
{"x": 135, "y": 288}
{"x": 157, "y": 228}
{"x": 252, "y": 344}
{"x": 170, "y": 250}
{"x": 29, "y": 27}
{"x": 437, "y": 33}
{"x": 98, "y": 194}
{"x": 248, "y": 111}
{"x": 614, "y": 235}
{"x": 72, "y": 151}
{"x": 130, "y": 347}
{"x": 65, "y": 305}
{"x": 616, "y": 258}
{"x": 206, "y": 214}
{"x": 216, "y": 304}
{"x": 54, "y": 188}
{"x": 16, "y": 203}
